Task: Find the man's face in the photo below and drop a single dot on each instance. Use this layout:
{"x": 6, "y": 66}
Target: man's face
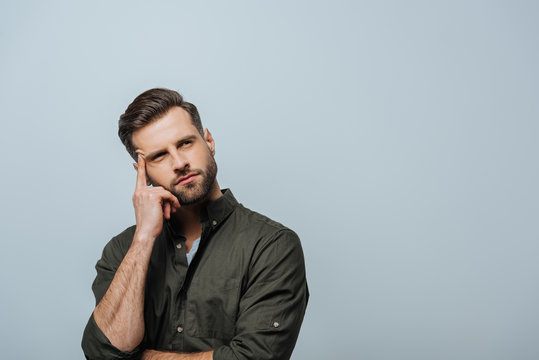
{"x": 177, "y": 157}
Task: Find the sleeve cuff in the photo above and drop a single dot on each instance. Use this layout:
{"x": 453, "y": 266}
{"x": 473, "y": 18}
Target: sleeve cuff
{"x": 97, "y": 346}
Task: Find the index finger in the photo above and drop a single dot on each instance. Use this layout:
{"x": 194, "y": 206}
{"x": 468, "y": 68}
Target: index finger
{"x": 141, "y": 172}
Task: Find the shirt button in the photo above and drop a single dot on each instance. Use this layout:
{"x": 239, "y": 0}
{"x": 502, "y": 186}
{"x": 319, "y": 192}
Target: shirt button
{"x": 180, "y": 329}
{"x": 179, "y": 246}
{"x": 214, "y": 222}
{"x": 276, "y": 324}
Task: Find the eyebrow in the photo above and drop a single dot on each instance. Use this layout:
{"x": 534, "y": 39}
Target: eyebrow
{"x": 153, "y": 154}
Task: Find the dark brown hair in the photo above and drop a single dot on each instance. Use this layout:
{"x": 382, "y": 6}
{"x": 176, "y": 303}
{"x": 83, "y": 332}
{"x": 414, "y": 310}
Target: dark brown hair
{"x": 148, "y": 107}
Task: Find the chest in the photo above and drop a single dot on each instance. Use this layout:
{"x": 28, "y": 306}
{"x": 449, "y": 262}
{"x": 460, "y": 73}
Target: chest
{"x": 196, "y": 305}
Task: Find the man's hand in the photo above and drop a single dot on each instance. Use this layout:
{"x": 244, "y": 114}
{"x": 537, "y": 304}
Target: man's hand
{"x": 151, "y": 204}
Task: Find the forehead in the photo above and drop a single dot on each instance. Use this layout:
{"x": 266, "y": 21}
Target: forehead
{"x": 174, "y": 125}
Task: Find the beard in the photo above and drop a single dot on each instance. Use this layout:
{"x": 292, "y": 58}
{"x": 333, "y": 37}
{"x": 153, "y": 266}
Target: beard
{"x": 196, "y": 191}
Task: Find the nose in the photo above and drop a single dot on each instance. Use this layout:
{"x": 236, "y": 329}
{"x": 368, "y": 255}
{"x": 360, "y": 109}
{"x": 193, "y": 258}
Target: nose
{"x": 179, "y": 161}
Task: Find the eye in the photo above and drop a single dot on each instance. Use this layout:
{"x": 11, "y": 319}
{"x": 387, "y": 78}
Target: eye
{"x": 185, "y": 143}
{"x": 158, "y": 156}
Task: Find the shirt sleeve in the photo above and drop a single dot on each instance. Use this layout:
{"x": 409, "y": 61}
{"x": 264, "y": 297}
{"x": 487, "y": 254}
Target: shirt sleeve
{"x": 97, "y": 346}
{"x": 273, "y": 304}
{"x": 94, "y": 343}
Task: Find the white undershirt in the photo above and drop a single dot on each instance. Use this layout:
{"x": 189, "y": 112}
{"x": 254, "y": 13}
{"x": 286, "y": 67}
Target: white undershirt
{"x": 194, "y": 248}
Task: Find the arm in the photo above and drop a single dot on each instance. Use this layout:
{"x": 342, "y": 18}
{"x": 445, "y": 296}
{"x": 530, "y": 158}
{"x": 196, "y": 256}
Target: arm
{"x": 119, "y": 315}
{"x": 163, "y": 355}
{"x": 273, "y": 303}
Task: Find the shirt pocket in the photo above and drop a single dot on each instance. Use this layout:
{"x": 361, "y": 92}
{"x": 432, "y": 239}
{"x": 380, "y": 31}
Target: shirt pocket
{"x": 212, "y": 307}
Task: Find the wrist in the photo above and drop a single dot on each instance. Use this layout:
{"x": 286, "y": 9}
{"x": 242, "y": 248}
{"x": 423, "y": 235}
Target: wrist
{"x": 142, "y": 237}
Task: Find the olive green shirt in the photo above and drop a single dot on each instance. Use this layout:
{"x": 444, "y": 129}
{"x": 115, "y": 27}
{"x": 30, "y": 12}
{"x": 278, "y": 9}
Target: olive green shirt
{"x": 243, "y": 295}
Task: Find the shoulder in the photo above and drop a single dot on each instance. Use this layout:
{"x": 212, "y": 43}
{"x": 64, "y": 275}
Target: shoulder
{"x": 262, "y": 229}
{"x": 256, "y": 221}
{"x": 115, "y": 250}
{"x": 274, "y": 250}
{"x": 123, "y": 239}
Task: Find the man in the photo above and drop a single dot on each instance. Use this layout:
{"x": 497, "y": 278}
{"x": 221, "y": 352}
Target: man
{"x": 199, "y": 276}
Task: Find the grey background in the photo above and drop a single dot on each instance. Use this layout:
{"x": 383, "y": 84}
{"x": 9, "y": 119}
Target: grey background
{"x": 399, "y": 139}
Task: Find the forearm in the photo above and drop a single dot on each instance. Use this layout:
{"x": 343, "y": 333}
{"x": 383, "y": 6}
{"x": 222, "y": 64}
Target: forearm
{"x": 120, "y": 313}
{"x": 161, "y": 355}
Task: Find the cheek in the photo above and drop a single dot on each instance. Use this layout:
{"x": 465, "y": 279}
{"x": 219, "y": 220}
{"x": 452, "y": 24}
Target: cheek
{"x": 202, "y": 155}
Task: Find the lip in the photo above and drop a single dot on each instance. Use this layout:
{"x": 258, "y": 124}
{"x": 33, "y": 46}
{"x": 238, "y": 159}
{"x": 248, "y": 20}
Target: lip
{"x": 186, "y": 179}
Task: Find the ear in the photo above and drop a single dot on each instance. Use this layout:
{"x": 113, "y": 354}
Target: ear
{"x": 209, "y": 141}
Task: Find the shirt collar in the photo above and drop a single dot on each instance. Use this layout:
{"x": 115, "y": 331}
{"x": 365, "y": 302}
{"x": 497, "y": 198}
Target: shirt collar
{"x": 213, "y": 213}
{"x": 218, "y": 210}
